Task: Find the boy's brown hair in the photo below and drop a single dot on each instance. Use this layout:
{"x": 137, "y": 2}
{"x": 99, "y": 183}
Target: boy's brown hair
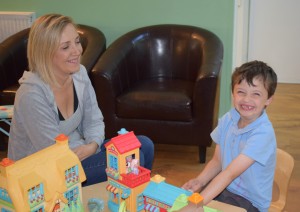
{"x": 255, "y": 69}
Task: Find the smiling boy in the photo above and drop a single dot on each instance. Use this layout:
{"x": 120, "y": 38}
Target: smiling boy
{"x": 241, "y": 171}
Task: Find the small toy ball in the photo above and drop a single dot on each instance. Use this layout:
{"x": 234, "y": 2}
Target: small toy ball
{"x": 95, "y": 205}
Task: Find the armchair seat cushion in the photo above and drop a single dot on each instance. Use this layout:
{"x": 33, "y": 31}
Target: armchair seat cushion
{"x": 157, "y": 99}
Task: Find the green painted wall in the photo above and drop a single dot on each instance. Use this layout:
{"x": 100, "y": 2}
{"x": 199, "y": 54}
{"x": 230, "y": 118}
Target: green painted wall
{"x": 114, "y": 18}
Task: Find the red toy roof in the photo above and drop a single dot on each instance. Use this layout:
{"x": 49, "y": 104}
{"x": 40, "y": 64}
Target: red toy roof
{"x": 125, "y": 142}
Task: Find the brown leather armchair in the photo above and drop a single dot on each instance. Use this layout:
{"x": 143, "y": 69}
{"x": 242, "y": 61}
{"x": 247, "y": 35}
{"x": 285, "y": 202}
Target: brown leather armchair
{"x": 13, "y": 58}
{"x": 161, "y": 81}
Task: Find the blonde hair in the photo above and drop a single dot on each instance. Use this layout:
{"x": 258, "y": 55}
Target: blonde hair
{"x": 43, "y": 41}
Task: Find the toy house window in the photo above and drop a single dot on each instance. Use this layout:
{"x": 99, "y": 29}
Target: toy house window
{"x": 113, "y": 162}
{"x": 36, "y": 195}
{"x": 151, "y": 201}
{"x": 4, "y": 195}
{"x": 140, "y": 202}
{"x": 72, "y": 196}
{"x": 41, "y": 209}
{"x": 115, "y": 197}
{"x": 128, "y": 161}
{"x": 164, "y": 206}
{"x": 72, "y": 176}
{"x": 129, "y": 158}
{"x": 5, "y": 210}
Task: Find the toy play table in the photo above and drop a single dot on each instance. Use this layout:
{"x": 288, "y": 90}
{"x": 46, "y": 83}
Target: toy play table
{"x": 99, "y": 191}
{"x": 6, "y": 113}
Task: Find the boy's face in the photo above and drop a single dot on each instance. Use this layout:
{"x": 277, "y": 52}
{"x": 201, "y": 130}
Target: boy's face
{"x": 250, "y": 101}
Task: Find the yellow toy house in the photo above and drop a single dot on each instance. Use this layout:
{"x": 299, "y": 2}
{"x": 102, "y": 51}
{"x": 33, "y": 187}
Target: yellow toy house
{"x": 49, "y": 180}
{"x": 126, "y": 179}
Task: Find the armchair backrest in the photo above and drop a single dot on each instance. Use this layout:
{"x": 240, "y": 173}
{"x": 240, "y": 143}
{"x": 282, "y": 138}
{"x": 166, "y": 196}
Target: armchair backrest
{"x": 13, "y": 58}
{"x": 13, "y": 53}
{"x": 167, "y": 51}
{"x": 93, "y": 43}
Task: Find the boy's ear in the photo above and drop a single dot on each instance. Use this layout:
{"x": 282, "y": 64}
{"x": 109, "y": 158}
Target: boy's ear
{"x": 269, "y": 100}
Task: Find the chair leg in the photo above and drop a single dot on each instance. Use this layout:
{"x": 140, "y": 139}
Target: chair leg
{"x": 202, "y": 154}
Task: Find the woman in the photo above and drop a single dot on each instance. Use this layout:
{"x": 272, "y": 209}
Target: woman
{"x": 56, "y": 96}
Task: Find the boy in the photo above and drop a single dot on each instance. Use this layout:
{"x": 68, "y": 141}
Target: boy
{"x": 241, "y": 171}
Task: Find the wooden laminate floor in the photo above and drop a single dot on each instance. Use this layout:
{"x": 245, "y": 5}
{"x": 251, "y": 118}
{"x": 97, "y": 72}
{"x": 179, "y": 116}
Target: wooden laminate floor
{"x": 180, "y": 163}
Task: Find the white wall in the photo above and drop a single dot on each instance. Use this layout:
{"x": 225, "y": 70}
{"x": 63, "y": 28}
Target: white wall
{"x": 273, "y": 35}
{"x": 240, "y": 35}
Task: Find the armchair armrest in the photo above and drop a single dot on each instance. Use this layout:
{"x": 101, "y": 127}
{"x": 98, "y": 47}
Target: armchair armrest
{"x": 106, "y": 80}
{"x": 208, "y": 83}
{"x": 93, "y": 43}
{"x": 115, "y": 67}
{"x": 13, "y": 59}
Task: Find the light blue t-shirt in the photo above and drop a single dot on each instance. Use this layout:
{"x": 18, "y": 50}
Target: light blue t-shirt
{"x": 257, "y": 141}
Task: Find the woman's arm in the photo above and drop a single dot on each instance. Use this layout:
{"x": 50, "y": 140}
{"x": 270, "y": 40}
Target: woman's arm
{"x": 92, "y": 125}
{"x": 34, "y": 118}
{"x": 92, "y": 122}
{"x": 84, "y": 151}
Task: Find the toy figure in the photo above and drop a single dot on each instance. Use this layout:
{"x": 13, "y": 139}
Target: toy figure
{"x": 134, "y": 166}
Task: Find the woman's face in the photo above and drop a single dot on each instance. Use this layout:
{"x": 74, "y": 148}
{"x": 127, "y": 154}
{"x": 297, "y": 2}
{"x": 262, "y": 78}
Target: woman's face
{"x": 66, "y": 59}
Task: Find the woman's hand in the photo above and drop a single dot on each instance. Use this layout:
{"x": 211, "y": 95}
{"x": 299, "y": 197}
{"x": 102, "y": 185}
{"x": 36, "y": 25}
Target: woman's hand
{"x": 84, "y": 151}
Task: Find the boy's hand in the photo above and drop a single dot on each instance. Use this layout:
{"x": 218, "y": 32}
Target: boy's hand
{"x": 192, "y": 185}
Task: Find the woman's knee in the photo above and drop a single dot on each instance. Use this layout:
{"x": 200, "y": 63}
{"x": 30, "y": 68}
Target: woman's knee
{"x": 146, "y": 142}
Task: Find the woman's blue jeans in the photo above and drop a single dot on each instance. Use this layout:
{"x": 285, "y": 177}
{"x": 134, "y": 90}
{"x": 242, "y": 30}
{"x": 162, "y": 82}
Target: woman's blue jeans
{"x": 95, "y": 165}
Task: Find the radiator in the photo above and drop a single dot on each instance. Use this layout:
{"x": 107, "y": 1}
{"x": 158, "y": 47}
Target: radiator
{"x": 13, "y": 22}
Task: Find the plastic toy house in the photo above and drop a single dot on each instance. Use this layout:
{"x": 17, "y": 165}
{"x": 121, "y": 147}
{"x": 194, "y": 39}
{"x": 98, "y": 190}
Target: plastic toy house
{"x": 129, "y": 185}
{"x": 163, "y": 197}
{"x": 126, "y": 179}
{"x": 49, "y": 180}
